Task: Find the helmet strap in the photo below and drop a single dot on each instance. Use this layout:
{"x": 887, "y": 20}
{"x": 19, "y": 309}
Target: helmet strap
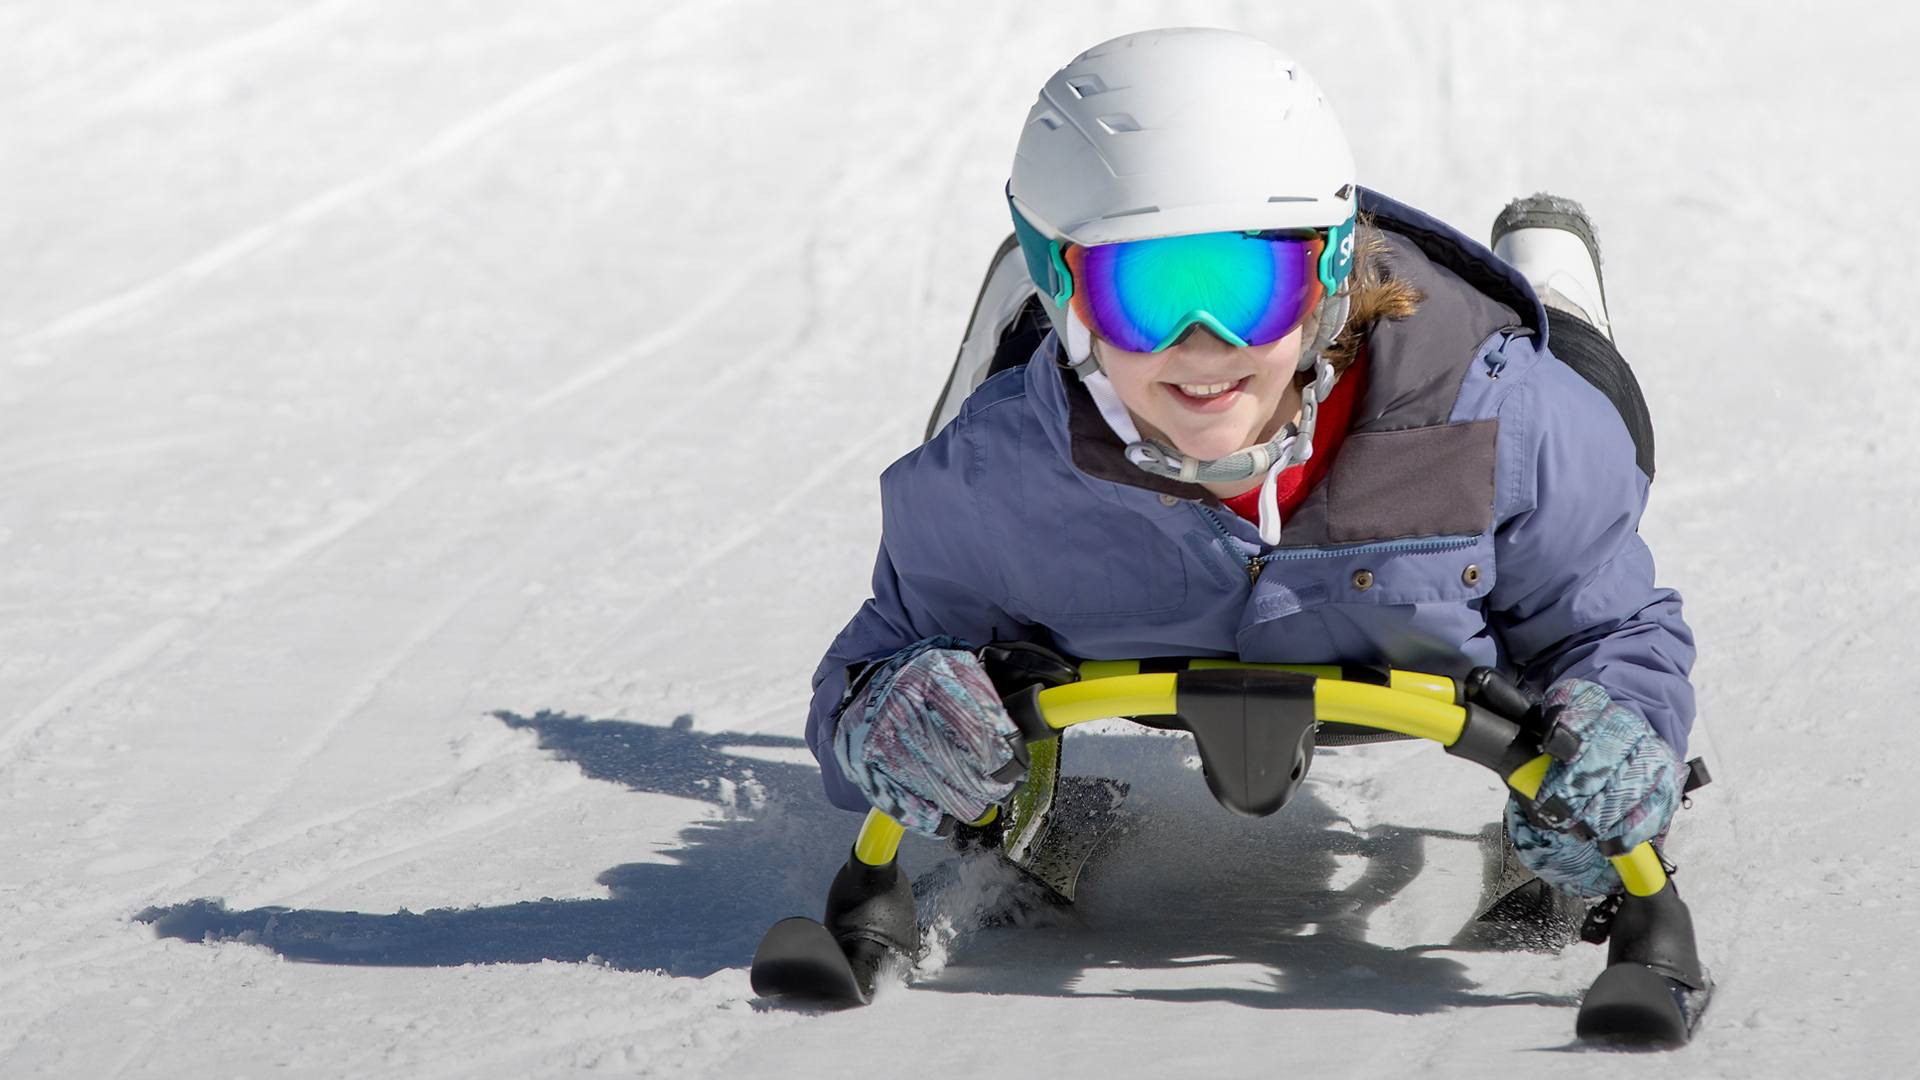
{"x": 1079, "y": 345}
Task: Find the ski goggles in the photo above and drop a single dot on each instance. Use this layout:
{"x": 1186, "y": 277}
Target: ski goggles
{"x": 1250, "y": 288}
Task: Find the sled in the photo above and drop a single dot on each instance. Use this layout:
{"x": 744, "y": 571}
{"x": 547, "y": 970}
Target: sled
{"x": 1255, "y": 727}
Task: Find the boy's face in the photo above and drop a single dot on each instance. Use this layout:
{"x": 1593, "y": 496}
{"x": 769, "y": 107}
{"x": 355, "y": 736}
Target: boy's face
{"x": 1204, "y": 397}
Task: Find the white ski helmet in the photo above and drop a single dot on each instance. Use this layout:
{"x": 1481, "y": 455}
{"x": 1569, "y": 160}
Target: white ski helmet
{"x": 1174, "y": 132}
{"x": 1177, "y": 131}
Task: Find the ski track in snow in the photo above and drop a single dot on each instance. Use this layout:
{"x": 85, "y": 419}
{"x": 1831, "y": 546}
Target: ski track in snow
{"x": 121, "y": 661}
{"x": 224, "y": 850}
{"x": 148, "y": 644}
{"x": 665, "y": 588}
{"x": 583, "y": 540}
{"x": 434, "y": 150}
{"x": 875, "y": 249}
{"x": 368, "y": 685}
{"x": 141, "y": 81}
{"x": 233, "y": 250}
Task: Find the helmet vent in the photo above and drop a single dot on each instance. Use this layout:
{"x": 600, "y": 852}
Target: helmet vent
{"x": 1130, "y": 213}
{"x": 1119, "y": 124}
{"x": 1085, "y": 86}
{"x": 1290, "y": 198}
{"x": 1048, "y": 117}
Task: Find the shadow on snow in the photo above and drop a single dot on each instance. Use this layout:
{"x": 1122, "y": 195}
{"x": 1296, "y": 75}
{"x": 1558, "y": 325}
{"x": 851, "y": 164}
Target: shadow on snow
{"x": 1187, "y": 886}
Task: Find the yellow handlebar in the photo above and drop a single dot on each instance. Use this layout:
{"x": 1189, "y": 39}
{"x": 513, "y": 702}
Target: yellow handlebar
{"x": 1410, "y": 703}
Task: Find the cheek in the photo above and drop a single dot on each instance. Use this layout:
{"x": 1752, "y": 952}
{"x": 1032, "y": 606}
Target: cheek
{"x": 1133, "y": 376}
{"x": 1280, "y": 359}
{"x": 1132, "y": 385}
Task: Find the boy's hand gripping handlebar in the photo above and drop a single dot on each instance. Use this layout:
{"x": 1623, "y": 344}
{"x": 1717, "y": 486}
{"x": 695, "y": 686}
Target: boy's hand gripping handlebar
{"x": 1254, "y": 726}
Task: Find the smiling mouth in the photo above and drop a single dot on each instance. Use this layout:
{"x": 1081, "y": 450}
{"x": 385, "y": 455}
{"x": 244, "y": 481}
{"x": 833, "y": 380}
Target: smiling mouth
{"x": 1207, "y": 397}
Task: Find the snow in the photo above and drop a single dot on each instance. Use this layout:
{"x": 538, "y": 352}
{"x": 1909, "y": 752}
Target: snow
{"x": 440, "y": 439}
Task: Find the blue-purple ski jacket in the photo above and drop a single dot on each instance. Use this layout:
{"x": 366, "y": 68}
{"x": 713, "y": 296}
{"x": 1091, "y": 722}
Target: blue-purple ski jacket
{"x": 1483, "y": 510}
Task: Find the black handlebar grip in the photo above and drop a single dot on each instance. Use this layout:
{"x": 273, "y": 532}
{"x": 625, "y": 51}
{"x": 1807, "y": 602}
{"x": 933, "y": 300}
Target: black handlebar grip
{"x": 1016, "y": 665}
{"x": 1023, "y": 706}
{"x": 1499, "y": 695}
{"x": 1503, "y": 697}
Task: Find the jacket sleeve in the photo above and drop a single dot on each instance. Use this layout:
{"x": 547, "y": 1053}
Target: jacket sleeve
{"x": 1574, "y": 594}
{"x": 930, "y": 578}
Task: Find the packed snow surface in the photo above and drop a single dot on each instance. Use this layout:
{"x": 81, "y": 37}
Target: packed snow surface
{"x": 440, "y": 439}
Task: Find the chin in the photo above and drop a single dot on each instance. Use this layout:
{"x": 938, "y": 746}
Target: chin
{"x": 1211, "y": 445}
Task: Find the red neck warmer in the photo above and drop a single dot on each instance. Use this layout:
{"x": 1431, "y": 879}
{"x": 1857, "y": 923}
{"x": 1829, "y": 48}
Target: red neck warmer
{"x": 1329, "y": 431}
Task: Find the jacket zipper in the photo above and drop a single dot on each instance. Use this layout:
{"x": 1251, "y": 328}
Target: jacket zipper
{"x": 1250, "y": 564}
{"x": 1440, "y": 543}
{"x": 1257, "y": 563}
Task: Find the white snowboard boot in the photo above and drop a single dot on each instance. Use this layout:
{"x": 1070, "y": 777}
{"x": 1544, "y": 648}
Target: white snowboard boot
{"x": 1551, "y": 241}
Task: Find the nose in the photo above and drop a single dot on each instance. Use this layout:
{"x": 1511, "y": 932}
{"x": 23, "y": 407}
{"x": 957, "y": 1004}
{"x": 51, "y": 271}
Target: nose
{"x": 1192, "y": 340}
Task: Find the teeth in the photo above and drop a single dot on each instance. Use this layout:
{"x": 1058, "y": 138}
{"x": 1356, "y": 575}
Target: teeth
{"x": 1206, "y": 389}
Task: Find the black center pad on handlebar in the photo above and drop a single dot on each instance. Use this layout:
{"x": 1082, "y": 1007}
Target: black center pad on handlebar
{"x": 1254, "y": 731}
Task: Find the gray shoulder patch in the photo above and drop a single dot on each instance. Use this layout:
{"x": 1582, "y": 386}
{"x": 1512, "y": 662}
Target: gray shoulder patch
{"x": 1416, "y": 364}
{"x": 1430, "y": 481}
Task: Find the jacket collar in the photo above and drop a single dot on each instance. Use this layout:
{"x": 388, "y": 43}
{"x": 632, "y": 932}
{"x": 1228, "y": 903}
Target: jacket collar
{"x": 1082, "y": 436}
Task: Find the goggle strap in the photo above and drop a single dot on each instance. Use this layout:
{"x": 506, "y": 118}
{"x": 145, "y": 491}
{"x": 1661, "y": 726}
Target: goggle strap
{"x": 1336, "y": 262}
{"x": 1045, "y": 264}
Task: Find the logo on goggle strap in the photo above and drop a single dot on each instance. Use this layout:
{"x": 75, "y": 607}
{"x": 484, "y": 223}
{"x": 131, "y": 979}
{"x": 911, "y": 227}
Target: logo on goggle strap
{"x": 1337, "y": 260}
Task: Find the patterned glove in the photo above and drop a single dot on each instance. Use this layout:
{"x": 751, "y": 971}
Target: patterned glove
{"x": 1624, "y": 783}
{"x": 926, "y": 736}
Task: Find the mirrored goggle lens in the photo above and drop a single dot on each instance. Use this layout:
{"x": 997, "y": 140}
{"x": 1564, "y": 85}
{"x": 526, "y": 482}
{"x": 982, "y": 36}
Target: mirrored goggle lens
{"x": 1142, "y": 295}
